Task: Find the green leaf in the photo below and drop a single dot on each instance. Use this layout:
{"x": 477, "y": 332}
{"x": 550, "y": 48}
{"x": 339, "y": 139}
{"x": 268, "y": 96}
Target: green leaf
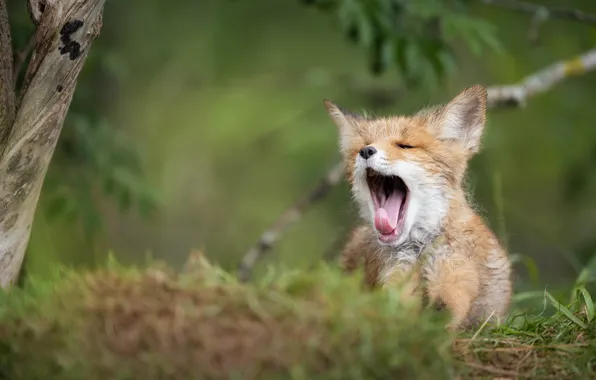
{"x": 565, "y": 311}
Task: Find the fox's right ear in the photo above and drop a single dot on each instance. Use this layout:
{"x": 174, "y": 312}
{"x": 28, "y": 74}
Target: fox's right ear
{"x": 345, "y": 122}
{"x": 463, "y": 118}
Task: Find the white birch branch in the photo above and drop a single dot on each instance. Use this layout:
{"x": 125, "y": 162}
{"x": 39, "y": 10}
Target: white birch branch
{"x": 498, "y": 96}
{"x": 541, "y": 81}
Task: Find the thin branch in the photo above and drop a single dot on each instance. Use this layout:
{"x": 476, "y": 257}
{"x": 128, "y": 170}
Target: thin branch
{"x": 498, "y": 96}
{"x": 291, "y": 216}
{"x": 545, "y": 11}
{"x": 541, "y": 81}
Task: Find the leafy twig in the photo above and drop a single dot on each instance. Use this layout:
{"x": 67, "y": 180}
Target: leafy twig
{"x": 548, "y": 12}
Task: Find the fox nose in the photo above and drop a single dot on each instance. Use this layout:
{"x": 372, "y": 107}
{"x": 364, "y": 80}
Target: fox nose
{"x": 367, "y": 151}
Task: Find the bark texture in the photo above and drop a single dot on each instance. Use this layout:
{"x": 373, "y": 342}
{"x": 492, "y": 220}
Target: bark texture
{"x": 65, "y": 31}
{"x": 7, "y": 96}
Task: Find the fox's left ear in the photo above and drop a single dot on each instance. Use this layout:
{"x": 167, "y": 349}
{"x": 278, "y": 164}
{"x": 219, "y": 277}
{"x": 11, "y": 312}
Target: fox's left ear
{"x": 463, "y": 118}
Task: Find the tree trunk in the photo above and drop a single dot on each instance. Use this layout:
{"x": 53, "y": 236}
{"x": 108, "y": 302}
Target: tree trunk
{"x": 65, "y": 30}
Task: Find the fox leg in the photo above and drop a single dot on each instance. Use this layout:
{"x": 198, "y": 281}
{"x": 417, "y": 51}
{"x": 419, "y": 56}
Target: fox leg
{"x": 455, "y": 283}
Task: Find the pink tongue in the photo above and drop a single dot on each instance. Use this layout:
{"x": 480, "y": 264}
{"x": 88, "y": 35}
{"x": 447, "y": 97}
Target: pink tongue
{"x": 387, "y": 214}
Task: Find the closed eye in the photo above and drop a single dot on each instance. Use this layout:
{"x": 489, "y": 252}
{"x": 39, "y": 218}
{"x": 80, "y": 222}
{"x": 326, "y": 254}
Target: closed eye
{"x": 405, "y": 146}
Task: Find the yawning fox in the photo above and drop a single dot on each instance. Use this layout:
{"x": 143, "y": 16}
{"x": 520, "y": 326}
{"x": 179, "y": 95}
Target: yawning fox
{"x": 406, "y": 174}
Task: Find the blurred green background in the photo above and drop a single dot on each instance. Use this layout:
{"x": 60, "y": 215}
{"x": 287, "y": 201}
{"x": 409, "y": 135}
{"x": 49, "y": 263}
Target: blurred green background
{"x": 195, "y": 124}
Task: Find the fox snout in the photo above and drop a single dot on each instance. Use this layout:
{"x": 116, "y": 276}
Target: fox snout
{"x": 367, "y": 152}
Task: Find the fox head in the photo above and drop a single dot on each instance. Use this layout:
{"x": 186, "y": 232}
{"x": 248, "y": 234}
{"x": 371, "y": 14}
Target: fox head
{"x": 405, "y": 171}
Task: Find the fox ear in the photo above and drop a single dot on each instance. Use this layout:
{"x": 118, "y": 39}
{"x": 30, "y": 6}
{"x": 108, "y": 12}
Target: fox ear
{"x": 346, "y": 123}
{"x": 463, "y": 118}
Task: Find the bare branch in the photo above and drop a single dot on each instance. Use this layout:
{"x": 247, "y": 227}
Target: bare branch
{"x": 545, "y": 11}
{"x": 541, "y": 81}
{"x": 291, "y": 216}
{"x": 7, "y": 95}
{"x": 65, "y": 30}
{"x": 498, "y": 96}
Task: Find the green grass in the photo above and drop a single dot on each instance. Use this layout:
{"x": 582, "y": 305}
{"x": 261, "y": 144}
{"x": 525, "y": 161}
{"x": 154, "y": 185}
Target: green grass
{"x": 561, "y": 345}
{"x": 152, "y": 323}
{"x": 558, "y": 342}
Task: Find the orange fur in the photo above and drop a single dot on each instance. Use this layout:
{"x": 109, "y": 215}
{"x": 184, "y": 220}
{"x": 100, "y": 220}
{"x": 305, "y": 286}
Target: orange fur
{"x": 466, "y": 268}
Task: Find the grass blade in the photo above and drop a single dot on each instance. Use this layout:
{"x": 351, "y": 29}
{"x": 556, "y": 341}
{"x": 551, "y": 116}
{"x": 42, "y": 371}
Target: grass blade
{"x": 588, "y": 302}
{"x": 565, "y": 311}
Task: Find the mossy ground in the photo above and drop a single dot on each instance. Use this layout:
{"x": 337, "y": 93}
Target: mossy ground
{"x": 152, "y": 323}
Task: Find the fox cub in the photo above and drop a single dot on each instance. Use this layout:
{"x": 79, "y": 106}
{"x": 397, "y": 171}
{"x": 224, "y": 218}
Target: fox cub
{"x": 406, "y": 174}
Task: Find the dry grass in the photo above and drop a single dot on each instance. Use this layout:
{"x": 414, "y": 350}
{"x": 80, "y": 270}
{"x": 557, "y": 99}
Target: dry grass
{"x": 154, "y": 324}
{"x": 123, "y": 323}
{"x": 510, "y": 358}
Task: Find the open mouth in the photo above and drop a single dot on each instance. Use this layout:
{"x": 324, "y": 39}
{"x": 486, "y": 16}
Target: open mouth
{"x": 390, "y": 197}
